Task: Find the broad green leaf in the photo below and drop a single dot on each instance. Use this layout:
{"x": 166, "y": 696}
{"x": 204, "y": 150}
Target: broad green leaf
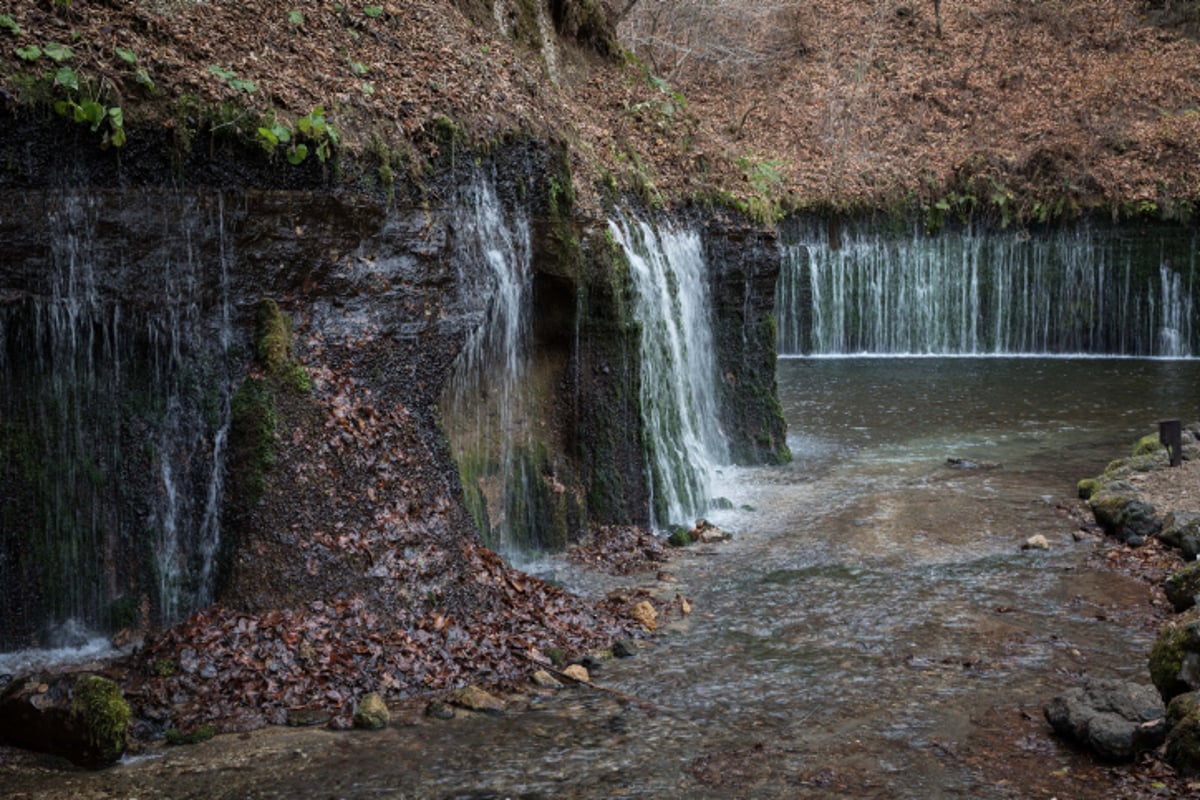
{"x": 243, "y": 85}
{"x": 58, "y": 52}
{"x": 67, "y": 78}
{"x": 9, "y": 24}
{"x": 373, "y": 11}
{"x": 143, "y": 78}
{"x": 223, "y": 74}
{"x": 116, "y": 117}
{"x": 297, "y": 154}
{"x": 30, "y": 53}
{"x": 296, "y": 17}
{"x": 118, "y": 137}
{"x": 128, "y": 56}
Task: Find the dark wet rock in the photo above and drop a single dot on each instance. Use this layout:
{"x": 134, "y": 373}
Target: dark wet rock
{"x": 81, "y": 717}
{"x": 1114, "y": 719}
{"x": 307, "y": 717}
{"x": 1125, "y": 518}
{"x": 1183, "y": 745}
{"x": 1183, "y": 586}
{"x": 439, "y": 710}
{"x": 966, "y": 463}
{"x": 1175, "y": 656}
{"x": 372, "y": 713}
{"x": 624, "y": 648}
{"x": 1181, "y": 530}
{"x": 1181, "y": 706}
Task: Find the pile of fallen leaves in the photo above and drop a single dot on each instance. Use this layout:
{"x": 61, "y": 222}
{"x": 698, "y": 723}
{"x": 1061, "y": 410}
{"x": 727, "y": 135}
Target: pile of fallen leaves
{"x": 238, "y": 670}
{"x": 619, "y": 550}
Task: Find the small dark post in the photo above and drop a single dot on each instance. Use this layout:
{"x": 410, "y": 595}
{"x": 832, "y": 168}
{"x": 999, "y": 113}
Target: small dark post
{"x": 1170, "y": 433}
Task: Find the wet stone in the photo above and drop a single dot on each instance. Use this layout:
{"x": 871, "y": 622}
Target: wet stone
{"x": 475, "y": 699}
{"x": 1182, "y": 587}
{"x": 624, "y": 648}
{"x": 1114, "y": 719}
{"x": 307, "y": 717}
{"x": 439, "y": 710}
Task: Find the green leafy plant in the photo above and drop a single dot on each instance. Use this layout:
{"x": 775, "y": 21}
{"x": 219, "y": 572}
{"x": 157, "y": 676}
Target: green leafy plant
{"x": 126, "y": 55}
{"x": 58, "y": 53}
{"x": 314, "y": 126}
{"x": 358, "y": 68}
{"x": 30, "y": 52}
{"x": 296, "y": 18}
{"x": 9, "y": 24}
{"x": 233, "y": 81}
{"x": 373, "y": 12}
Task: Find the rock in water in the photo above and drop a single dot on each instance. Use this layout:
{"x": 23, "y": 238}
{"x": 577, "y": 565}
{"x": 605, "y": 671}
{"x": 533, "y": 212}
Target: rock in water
{"x": 476, "y": 699}
{"x": 372, "y": 713}
{"x": 644, "y": 613}
{"x": 1036, "y": 542}
{"x": 1115, "y": 719}
{"x": 577, "y": 672}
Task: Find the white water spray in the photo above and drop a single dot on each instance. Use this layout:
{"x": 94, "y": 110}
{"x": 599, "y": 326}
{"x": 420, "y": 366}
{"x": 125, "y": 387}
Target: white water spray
{"x": 678, "y": 374}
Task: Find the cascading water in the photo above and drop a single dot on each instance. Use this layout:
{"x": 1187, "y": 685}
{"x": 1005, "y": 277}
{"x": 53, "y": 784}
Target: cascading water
{"x": 485, "y": 407}
{"x": 678, "y": 373}
{"x": 114, "y": 420}
{"x": 1071, "y": 291}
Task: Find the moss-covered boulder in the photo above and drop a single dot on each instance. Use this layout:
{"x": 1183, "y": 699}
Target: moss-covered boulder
{"x": 1183, "y": 745}
{"x": 1175, "y": 657}
{"x": 372, "y": 713}
{"x": 1124, "y": 517}
{"x": 1087, "y": 488}
{"x": 1147, "y": 444}
{"x": 1183, "y": 586}
{"x": 1181, "y": 530}
{"x": 81, "y": 717}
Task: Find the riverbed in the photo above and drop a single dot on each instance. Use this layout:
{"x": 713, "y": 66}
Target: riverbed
{"x": 873, "y": 629}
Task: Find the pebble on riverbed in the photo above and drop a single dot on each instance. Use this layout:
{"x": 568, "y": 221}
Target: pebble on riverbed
{"x": 1035, "y": 542}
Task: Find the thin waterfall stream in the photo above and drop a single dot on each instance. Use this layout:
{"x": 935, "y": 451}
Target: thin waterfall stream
{"x": 116, "y": 432}
{"x": 678, "y": 375}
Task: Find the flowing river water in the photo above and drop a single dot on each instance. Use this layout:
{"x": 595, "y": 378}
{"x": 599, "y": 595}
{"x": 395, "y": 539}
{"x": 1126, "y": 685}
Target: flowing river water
{"x": 873, "y": 630}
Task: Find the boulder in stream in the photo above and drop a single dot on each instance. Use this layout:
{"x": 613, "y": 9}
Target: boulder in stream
{"x": 81, "y": 717}
{"x": 1112, "y": 718}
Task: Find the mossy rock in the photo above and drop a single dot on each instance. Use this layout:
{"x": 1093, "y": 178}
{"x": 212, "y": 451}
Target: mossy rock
{"x": 1183, "y": 745}
{"x": 103, "y": 715}
{"x": 1183, "y": 586}
{"x": 1147, "y": 444}
{"x": 1181, "y": 706}
{"x": 1088, "y": 487}
{"x": 372, "y": 713}
{"x": 1175, "y": 657}
{"x": 679, "y": 538}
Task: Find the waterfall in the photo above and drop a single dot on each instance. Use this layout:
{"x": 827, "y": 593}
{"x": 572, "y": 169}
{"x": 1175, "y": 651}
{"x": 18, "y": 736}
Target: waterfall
{"x": 114, "y": 418}
{"x": 678, "y": 371}
{"x": 486, "y": 406}
{"x": 1077, "y": 290}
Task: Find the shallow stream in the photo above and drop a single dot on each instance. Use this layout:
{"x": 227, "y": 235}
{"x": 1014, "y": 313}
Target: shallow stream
{"x": 873, "y": 630}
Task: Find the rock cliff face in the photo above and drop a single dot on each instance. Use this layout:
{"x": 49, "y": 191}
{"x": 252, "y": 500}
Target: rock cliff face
{"x": 219, "y": 375}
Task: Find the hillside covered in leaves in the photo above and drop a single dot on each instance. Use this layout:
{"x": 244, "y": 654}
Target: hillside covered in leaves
{"x": 1024, "y": 110}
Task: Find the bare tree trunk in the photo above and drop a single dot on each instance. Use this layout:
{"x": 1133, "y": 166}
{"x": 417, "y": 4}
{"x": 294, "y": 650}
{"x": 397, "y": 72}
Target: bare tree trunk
{"x": 937, "y": 16}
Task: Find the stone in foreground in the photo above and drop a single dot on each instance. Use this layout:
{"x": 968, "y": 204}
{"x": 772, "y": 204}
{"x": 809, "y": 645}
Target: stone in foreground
{"x": 1114, "y": 719}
